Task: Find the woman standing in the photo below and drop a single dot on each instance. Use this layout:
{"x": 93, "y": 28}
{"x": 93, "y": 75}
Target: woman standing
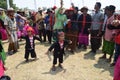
{"x": 108, "y": 44}
{"x": 60, "y": 19}
{"x": 10, "y": 25}
{"x": 84, "y": 25}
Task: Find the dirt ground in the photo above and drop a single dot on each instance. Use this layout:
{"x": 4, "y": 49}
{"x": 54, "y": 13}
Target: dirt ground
{"x": 79, "y": 66}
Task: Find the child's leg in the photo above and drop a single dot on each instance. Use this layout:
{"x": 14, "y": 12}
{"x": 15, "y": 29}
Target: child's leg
{"x": 55, "y": 59}
{"x": 54, "y": 62}
{"x": 33, "y": 53}
{"x": 26, "y": 55}
{"x": 60, "y": 60}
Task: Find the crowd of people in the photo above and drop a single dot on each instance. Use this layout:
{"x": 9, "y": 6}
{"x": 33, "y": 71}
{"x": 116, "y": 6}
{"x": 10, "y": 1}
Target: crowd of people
{"x": 57, "y": 24}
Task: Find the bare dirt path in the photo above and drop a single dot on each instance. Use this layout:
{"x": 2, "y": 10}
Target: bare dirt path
{"x": 80, "y": 66}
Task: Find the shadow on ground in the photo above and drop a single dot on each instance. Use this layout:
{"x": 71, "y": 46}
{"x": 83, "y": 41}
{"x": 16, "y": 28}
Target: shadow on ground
{"x": 104, "y": 66}
{"x": 24, "y": 62}
{"x": 58, "y": 70}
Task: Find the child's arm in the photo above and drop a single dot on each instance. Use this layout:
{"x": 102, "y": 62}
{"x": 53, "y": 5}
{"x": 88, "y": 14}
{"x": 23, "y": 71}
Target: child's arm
{"x": 51, "y": 48}
{"x": 38, "y": 39}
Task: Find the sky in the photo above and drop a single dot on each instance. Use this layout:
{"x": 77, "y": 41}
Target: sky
{"x": 50, "y": 3}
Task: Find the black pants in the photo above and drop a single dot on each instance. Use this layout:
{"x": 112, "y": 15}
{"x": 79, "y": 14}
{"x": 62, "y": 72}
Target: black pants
{"x": 95, "y": 40}
{"x": 49, "y": 35}
{"x": 58, "y": 56}
{"x": 42, "y": 32}
{"x": 27, "y": 52}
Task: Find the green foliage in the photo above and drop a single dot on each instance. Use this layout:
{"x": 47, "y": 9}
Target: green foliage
{"x": 3, "y": 4}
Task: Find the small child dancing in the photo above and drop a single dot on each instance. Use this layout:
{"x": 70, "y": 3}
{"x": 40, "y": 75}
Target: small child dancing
{"x": 30, "y": 44}
{"x": 58, "y": 47}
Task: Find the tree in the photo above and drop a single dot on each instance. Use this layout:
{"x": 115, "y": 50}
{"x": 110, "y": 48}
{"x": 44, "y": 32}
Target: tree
{"x": 3, "y": 4}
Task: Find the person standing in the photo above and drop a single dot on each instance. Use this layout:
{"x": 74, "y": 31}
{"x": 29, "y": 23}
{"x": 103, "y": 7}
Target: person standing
{"x": 39, "y": 20}
{"x": 96, "y": 28}
{"x": 58, "y": 48}
{"x": 108, "y": 45}
{"x": 73, "y": 30}
{"x": 84, "y": 26}
{"x": 48, "y": 22}
{"x": 60, "y": 19}
{"x": 10, "y": 25}
{"x": 30, "y": 44}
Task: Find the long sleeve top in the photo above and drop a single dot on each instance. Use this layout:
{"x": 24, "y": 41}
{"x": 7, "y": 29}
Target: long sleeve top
{"x": 57, "y": 47}
{"x": 59, "y": 20}
{"x": 30, "y": 45}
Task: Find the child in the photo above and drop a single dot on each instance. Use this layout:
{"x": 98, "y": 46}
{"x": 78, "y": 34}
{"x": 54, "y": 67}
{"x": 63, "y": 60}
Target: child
{"x": 58, "y": 47}
{"x": 30, "y": 45}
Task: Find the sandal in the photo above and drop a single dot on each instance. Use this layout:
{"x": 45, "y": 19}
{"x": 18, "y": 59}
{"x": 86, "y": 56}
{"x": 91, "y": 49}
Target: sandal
{"x": 60, "y": 66}
{"x": 53, "y": 68}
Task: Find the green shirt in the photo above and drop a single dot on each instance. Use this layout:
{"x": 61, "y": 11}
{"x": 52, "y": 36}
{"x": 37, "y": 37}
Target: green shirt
{"x": 59, "y": 20}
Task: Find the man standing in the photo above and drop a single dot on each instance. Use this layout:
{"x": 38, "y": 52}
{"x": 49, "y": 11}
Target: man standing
{"x": 10, "y": 25}
{"x": 40, "y": 24}
{"x": 96, "y": 27}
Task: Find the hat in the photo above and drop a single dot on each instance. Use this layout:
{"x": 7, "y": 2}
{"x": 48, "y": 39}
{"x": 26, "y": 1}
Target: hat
{"x": 48, "y": 10}
{"x": 10, "y": 9}
{"x": 76, "y": 8}
{"x": 40, "y": 9}
{"x": 106, "y": 8}
{"x": 30, "y": 29}
{"x": 20, "y": 11}
{"x": 60, "y": 33}
{"x": 54, "y": 7}
{"x": 112, "y": 8}
{"x": 1, "y": 9}
{"x": 84, "y": 8}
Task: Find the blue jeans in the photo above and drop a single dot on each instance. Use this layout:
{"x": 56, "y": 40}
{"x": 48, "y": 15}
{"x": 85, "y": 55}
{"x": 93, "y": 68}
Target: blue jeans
{"x": 117, "y": 52}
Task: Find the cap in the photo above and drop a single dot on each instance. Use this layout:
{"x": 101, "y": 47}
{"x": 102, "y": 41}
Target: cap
{"x": 10, "y": 9}
{"x": 84, "y": 8}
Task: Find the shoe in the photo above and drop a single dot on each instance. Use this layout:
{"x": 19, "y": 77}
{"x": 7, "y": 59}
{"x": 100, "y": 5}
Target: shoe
{"x": 108, "y": 60}
{"x": 84, "y": 47}
{"x": 15, "y": 51}
{"x": 72, "y": 51}
{"x": 10, "y": 53}
{"x": 26, "y": 60}
{"x": 53, "y": 68}
{"x": 79, "y": 46}
{"x": 60, "y": 66}
{"x": 92, "y": 52}
{"x": 103, "y": 57}
{"x": 113, "y": 64}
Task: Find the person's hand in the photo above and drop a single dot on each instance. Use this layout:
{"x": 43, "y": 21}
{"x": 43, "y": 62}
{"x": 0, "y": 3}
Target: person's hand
{"x": 70, "y": 42}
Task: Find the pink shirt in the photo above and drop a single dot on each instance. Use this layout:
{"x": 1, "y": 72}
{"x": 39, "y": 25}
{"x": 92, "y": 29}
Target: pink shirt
{"x": 31, "y": 41}
{"x": 109, "y": 33}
